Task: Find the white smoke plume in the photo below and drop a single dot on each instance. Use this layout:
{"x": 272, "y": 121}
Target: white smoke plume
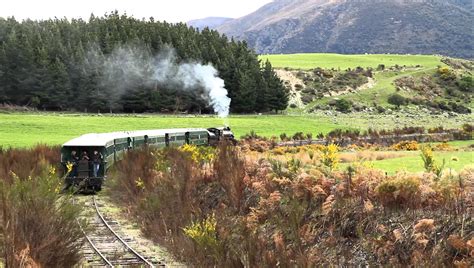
{"x": 128, "y": 67}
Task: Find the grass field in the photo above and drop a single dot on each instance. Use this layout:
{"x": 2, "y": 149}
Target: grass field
{"x": 324, "y": 60}
{"x": 413, "y": 162}
{"x": 410, "y": 161}
{"x": 24, "y": 130}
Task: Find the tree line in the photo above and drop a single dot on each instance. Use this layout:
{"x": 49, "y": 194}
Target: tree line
{"x": 46, "y": 64}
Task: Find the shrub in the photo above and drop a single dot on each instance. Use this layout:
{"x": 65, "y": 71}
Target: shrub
{"x": 229, "y": 171}
{"x": 446, "y": 73}
{"x": 38, "y": 225}
{"x": 397, "y": 100}
{"x": 428, "y": 158}
{"x": 443, "y": 147}
{"x": 343, "y": 105}
{"x": 199, "y": 154}
{"x": 204, "y": 234}
{"x": 459, "y": 108}
{"x": 466, "y": 84}
{"x": 330, "y": 156}
{"x": 298, "y": 136}
{"x": 429, "y": 161}
{"x": 279, "y": 151}
{"x": 380, "y": 109}
{"x": 406, "y": 146}
{"x": 398, "y": 191}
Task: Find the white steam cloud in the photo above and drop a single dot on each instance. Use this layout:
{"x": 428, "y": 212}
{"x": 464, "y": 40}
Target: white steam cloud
{"x": 130, "y": 67}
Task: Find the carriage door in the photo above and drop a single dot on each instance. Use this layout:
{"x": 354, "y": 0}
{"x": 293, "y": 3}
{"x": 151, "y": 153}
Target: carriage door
{"x": 167, "y": 139}
{"x": 186, "y": 135}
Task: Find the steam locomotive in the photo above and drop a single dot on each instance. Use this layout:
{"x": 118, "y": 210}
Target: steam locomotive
{"x": 87, "y": 173}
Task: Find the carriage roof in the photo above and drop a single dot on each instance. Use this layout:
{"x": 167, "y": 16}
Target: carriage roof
{"x": 102, "y": 139}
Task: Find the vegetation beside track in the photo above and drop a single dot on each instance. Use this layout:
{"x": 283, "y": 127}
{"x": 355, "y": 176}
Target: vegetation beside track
{"x": 242, "y": 209}
{"x": 38, "y": 224}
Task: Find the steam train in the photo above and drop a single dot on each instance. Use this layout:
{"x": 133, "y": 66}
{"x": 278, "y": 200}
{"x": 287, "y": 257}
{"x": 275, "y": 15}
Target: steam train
{"x": 87, "y": 173}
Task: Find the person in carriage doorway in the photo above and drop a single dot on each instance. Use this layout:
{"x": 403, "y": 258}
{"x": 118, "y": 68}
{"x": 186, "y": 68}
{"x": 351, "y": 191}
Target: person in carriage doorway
{"x": 96, "y": 161}
{"x": 74, "y": 160}
{"x": 85, "y": 156}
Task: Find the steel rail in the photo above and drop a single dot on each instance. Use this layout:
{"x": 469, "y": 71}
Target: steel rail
{"x": 119, "y": 238}
{"x": 93, "y": 246}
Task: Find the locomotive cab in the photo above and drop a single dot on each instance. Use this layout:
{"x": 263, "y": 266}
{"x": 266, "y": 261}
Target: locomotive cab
{"x": 222, "y": 133}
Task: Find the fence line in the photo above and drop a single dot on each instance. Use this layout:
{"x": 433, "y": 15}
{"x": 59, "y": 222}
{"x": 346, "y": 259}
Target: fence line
{"x": 385, "y": 140}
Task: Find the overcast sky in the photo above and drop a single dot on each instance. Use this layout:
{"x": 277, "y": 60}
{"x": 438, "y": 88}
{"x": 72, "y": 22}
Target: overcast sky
{"x": 169, "y": 10}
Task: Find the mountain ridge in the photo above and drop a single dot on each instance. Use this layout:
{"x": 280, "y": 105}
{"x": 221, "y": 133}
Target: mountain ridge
{"x": 353, "y": 27}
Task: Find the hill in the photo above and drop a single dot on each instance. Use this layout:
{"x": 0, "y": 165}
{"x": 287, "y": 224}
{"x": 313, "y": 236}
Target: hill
{"x": 211, "y": 22}
{"x": 357, "y": 27}
{"x": 368, "y": 83}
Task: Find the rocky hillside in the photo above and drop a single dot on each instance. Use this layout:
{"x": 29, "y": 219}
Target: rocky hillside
{"x": 372, "y": 26}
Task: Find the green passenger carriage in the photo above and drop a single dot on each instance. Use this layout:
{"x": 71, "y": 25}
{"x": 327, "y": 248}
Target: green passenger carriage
{"x": 112, "y": 146}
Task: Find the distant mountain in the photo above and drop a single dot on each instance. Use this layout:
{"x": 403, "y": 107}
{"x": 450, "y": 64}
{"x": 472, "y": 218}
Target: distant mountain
{"x": 356, "y": 26}
{"x": 211, "y": 22}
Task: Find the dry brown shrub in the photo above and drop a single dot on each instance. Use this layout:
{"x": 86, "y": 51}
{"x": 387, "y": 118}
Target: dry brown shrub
{"x": 302, "y": 216}
{"x": 365, "y": 181}
{"x": 406, "y": 146}
{"x": 403, "y": 191}
{"x": 229, "y": 170}
{"x": 38, "y": 226}
{"x": 368, "y": 156}
{"x": 26, "y": 163}
{"x": 425, "y": 226}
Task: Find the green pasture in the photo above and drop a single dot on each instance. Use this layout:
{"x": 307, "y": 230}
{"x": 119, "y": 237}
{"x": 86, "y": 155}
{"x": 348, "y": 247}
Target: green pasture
{"x": 28, "y": 129}
{"x": 413, "y": 163}
{"x": 410, "y": 161}
{"x": 328, "y": 60}
{"x": 23, "y": 130}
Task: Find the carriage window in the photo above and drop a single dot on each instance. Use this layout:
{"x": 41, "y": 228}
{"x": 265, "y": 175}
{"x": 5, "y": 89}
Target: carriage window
{"x": 110, "y": 150}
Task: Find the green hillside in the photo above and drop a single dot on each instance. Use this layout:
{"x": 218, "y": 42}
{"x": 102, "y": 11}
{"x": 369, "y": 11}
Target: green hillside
{"x": 320, "y": 79}
{"x": 328, "y": 60}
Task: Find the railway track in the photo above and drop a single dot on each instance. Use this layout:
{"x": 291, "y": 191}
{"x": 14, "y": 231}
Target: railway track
{"x": 106, "y": 247}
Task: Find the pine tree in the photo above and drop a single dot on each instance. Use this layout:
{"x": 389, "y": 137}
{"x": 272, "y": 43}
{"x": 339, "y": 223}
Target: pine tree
{"x": 57, "y": 64}
{"x": 277, "y": 95}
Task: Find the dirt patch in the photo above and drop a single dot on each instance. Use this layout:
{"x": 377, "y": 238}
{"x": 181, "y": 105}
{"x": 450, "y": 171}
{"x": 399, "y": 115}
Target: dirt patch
{"x": 370, "y": 84}
{"x": 293, "y": 82}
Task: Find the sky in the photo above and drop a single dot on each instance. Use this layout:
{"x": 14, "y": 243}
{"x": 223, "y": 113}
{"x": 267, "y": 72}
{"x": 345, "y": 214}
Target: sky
{"x": 169, "y": 10}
